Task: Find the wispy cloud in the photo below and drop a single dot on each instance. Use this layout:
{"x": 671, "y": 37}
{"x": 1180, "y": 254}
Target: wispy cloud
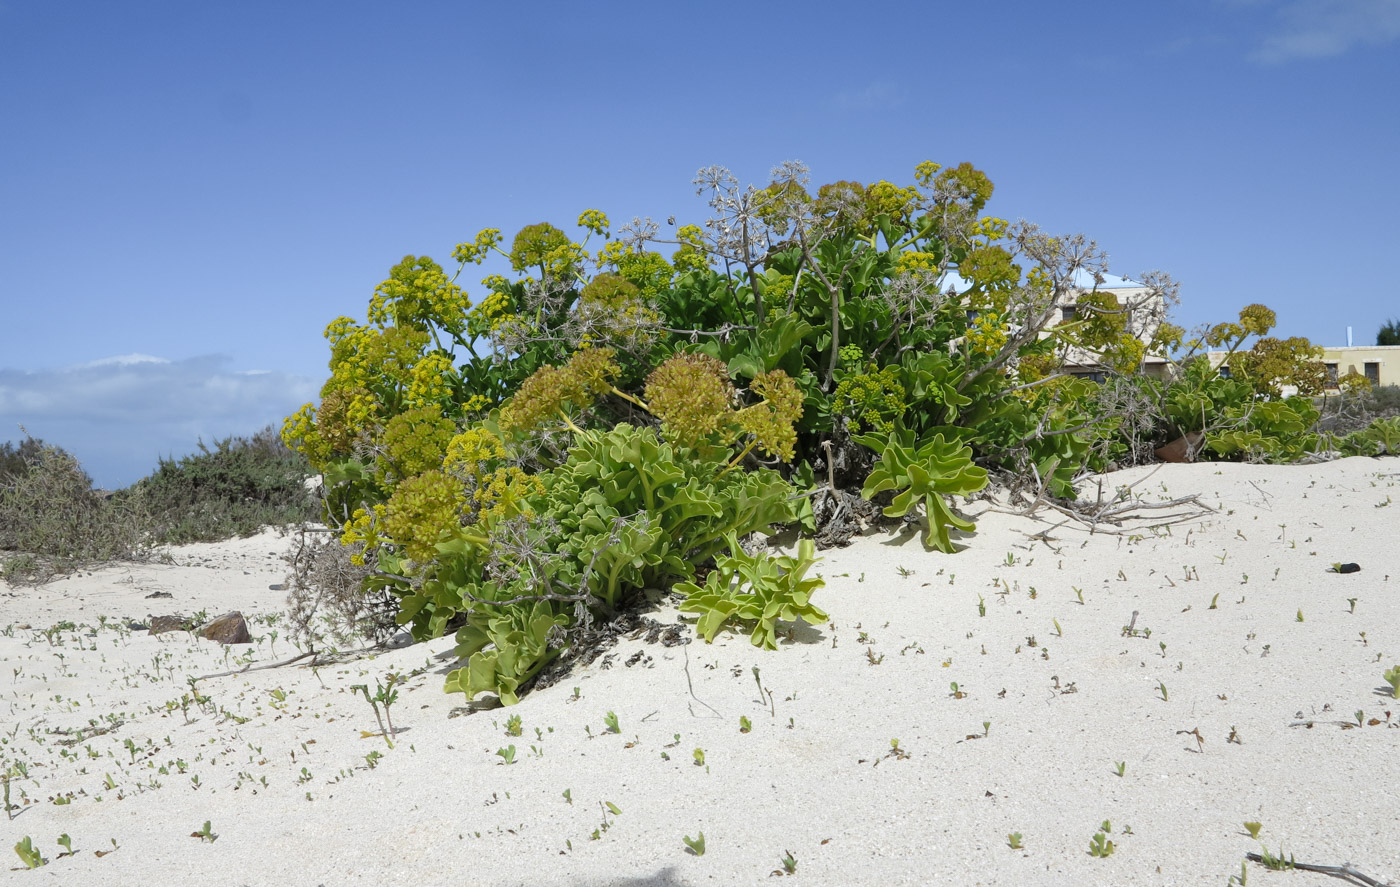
{"x": 118, "y": 415}
{"x": 878, "y": 96}
{"x": 1317, "y": 29}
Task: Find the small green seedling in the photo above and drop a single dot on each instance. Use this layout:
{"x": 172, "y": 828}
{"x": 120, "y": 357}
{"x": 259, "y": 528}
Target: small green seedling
{"x": 205, "y": 834}
{"x": 67, "y": 844}
{"x": 789, "y": 863}
{"x": 1162, "y": 688}
{"x": 569, "y": 796}
{"x": 1253, "y": 829}
{"x": 1100, "y": 846}
{"x": 1275, "y": 863}
{"x": 507, "y": 754}
{"x": 745, "y": 725}
{"x": 1078, "y": 593}
{"x": 1352, "y": 601}
{"x": 1300, "y": 615}
{"x": 696, "y": 844}
{"x": 1013, "y": 840}
{"x": 699, "y": 754}
{"x": 613, "y": 808}
{"x": 610, "y": 721}
{"x": 1059, "y": 632}
{"x": 1392, "y": 677}
{"x": 981, "y": 606}
{"x": 1120, "y": 767}
{"x": 29, "y": 854}
{"x": 514, "y": 726}
{"x": 1214, "y": 601}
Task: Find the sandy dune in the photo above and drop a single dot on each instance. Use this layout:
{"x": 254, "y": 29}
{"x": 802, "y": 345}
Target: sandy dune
{"x": 1269, "y": 706}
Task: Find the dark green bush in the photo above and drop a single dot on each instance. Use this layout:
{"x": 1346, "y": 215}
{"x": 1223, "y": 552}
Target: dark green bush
{"x": 234, "y": 489}
{"x": 15, "y": 459}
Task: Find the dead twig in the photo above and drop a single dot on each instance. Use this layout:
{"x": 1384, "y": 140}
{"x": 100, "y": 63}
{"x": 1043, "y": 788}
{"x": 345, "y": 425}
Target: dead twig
{"x": 249, "y": 667}
{"x": 1343, "y": 871}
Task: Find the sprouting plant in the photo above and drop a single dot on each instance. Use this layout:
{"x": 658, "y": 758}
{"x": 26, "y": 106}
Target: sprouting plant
{"x": 569, "y": 796}
{"x": 67, "y": 844}
{"x": 696, "y": 844}
{"x": 1013, "y": 840}
{"x": 1100, "y": 846}
{"x": 1253, "y": 829}
{"x": 514, "y": 726}
{"x": 789, "y": 863}
{"x": 386, "y": 696}
{"x": 981, "y": 606}
{"x": 1299, "y": 618}
{"x": 1120, "y": 767}
{"x": 904, "y": 572}
{"x": 699, "y": 755}
{"x": 1163, "y": 645}
{"x": 372, "y": 759}
{"x": 1241, "y": 879}
{"x": 29, "y": 854}
{"x": 1275, "y": 863}
{"x": 1162, "y": 688}
{"x": 205, "y": 834}
{"x": 610, "y": 721}
{"x": 1079, "y": 594}
{"x": 745, "y": 725}
{"x": 986, "y": 729}
{"x": 507, "y": 754}
{"x": 1213, "y": 601}
{"x": 1352, "y": 601}
{"x": 1392, "y": 677}
{"x": 1059, "y": 632}
{"x": 956, "y": 693}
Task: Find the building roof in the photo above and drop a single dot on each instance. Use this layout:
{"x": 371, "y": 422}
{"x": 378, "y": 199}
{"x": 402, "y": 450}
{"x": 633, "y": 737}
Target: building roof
{"x": 1082, "y": 279}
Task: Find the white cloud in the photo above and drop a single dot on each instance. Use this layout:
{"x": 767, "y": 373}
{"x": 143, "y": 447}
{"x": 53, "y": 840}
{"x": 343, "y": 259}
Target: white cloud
{"x": 120, "y": 414}
{"x": 1315, "y": 29}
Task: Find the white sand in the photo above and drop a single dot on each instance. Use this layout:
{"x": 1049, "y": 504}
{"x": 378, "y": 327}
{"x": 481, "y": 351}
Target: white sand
{"x": 815, "y": 776}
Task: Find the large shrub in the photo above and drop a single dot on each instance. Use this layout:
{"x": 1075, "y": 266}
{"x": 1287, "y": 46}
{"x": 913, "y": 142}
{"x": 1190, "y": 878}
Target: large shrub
{"x": 233, "y": 489}
{"x": 473, "y": 449}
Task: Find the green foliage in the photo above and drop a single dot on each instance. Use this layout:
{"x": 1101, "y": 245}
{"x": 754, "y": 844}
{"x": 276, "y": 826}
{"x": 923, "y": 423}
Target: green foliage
{"x": 1392, "y": 677}
{"x": 1382, "y": 436}
{"x": 756, "y": 591}
{"x": 1389, "y": 333}
{"x": 1275, "y": 431}
{"x": 29, "y": 854}
{"x": 234, "y": 489}
{"x": 925, "y": 474}
{"x": 52, "y": 515}
{"x": 16, "y": 459}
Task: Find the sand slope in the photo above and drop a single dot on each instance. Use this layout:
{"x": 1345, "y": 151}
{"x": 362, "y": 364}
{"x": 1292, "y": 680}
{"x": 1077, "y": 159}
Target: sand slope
{"x": 1031, "y": 747}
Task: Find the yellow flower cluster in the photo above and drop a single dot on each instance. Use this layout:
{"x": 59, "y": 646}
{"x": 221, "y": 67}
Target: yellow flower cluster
{"x": 490, "y": 314}
{"x": 416, "y": 440}
{"x": 897, "y": 202}
{"x": 990, "y": 227}
{"x": 545, "y": 246}
{"x": 594, "y": 221}
{"x": 925, "y": 172}
{"x": 361, "y": 356}
{"x": 771, "y": 421}
{"x": 476, "y": 251}
{"x": 547, "y": 392}
{"x": 872, "y": 399}
{"x": 498, "y": 492}
{"x": 990, "y": 268}
{"x": 421, "y": 510}
{"x": 427, "y": 383}
{"x": 691, "y": 394}
{"x": 362, "y": 528}
{"x": 419, "y": 294}
{"x": 987, "y": 334}
{"x": 915, "y": 261}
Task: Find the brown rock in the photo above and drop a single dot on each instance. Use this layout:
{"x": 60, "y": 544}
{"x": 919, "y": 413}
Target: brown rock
{"x": 229, "y": 628}
{"x": 1183, "y": 449}
{"x": 162, "y": 624}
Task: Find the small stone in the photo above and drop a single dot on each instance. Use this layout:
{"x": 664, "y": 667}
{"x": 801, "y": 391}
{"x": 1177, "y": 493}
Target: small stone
{"x": 230, "y": 628}
{"x": 162, "y": 624}
{"x": 159, "y": 594}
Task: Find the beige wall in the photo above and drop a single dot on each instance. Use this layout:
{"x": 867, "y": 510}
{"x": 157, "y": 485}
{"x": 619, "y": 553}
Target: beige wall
{"x": 1386, "y": 360}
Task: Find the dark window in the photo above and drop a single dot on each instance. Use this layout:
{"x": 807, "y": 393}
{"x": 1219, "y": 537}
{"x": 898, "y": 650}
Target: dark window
{"x": 1331, "y": 375}
{"x": 1068, "y": 313}
{"x": 972, "y": 315}
{"x": 1225, "y": 371}
{"x": 1373, "y": 372}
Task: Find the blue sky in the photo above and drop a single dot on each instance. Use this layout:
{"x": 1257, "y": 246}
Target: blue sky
{"x": 190, "y": 192}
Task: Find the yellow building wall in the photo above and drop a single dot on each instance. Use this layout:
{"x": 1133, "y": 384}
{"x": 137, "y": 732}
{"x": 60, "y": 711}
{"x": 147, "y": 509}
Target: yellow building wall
{"x": 1380, "y": 363}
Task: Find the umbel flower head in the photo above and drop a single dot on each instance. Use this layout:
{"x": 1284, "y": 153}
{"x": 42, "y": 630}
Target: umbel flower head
{"x": 692, "y": 396}
{"x": 550, "y": 391}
